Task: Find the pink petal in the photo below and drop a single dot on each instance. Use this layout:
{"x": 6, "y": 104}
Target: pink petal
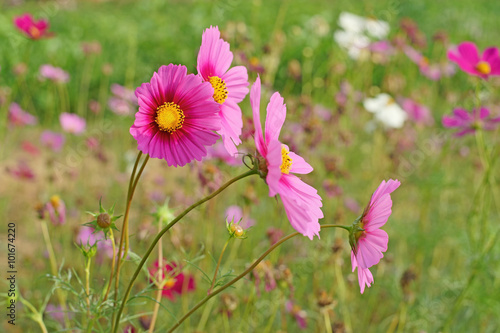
{"x": 276, "y": 114}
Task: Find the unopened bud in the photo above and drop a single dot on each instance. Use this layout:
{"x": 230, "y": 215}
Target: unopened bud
{"x": 237, "y": 230}
{"x": 103, "y": 220}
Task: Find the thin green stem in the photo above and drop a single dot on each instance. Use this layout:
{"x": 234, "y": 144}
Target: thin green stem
{"x": 158, "y": 237}
{"x": 113, "y": 244}
{"x": 87, "y": 284}
{"x": 161, "y": 281}
{"x": 248, "y": 270}
{"x": 218, "y": 265}
{"x": 37, "y": 316}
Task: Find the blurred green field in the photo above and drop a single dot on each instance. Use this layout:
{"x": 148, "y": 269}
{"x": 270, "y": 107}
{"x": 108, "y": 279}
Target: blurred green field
{"x": 442, "y": 218}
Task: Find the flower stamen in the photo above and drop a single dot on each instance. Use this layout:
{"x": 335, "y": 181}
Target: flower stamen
{"x": 169, "y": 117}
{"x": 220, "y": 91}
{"x": 483, "y": 67}
{"x": 286, "y": 160}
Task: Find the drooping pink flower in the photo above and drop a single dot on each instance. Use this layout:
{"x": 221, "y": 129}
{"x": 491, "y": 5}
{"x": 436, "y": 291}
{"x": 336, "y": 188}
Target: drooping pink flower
{"x": 367, "y": 240}
{"x": 56, "y": 209}
{"x": 466, "y": 55}
{"x": 53, "y": 140}
{"x": 72, "y": 123}
{"x": 278, "y": 164}
{"x": 31, "y": 28}
{"x": 468, "y": 123}
{"x": 299, "y": 314}
{"x": 19, "y": 117}
{"x": 177, "y": 116}
{"x": 174, "y": 281}
{"x": 230, "y": 85}
{"x": 420, "y": 114}
{"x": 54, "y": 74}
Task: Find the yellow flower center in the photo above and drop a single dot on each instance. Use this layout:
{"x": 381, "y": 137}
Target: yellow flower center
{"x": 34, "y": 32}
{"x": 220, "y": 91}
{"x": 55, "y": 201}
{"x": 483, "y": 67}
{"x": 169, "y": 283}
{"x": 169, "y": 117}
{"x": 286, "y": 161}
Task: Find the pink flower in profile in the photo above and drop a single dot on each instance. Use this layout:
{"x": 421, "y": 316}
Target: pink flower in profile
{"x": 466, "y": 55}
{"x": 420, "y": 114}
{"x": 31, "y": 28}
{"x": 72, "y": 123}
{"x": 54, "y": 74}
{"x": 230, "y": 85}
{"x": 56, "y": 209}
{"x": 468, "y": 123}
{"x": 19, "y": 117}
{"x": 277, "y": 164}
{"x": 177, "y": 116}
{"x": 53, "y": 140}
{"x": 174, "y": 281}
{"x": 367, "y": 240}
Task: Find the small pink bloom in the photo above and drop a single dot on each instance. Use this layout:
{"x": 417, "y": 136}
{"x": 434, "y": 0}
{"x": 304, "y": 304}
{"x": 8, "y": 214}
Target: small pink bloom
{"x": 57, "y": 210}
{"x": 30, "y": 148}
{"x": 230, "y": 85}
{"x": 299, "y": 314}
{"x": 417, "y": 112}
{"x": 19, "y": 117}
{"x": 87, "y": 238}
{"x": 31, "y": 28}
{"x": 467, "y": 123}
{"x": 367, "y": 240}
{"x": 466, "y": 55}
{"x": 54, "y": 74}
{"x": 177, "y": 116}
{"x": 124, "y": 93}
{"x": 235, "y": 214}
{"x": 175, "y": 282}
{"x": 120, "y": 107}
{"x": 72, "y": 123}
{"x": 53, "y": 140}
{"x": 218, "y": 151}
{"x": 22, "y": 171}
{"x": 278, "y": 164}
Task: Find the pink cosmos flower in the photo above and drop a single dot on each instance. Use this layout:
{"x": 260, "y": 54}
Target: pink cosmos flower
{"x": 124, "y": 93}
{"x": 54, "y": 74}
{"x": 235, "y": 213}
{"x": 120, "y": 107}
{"x": 72, "y": 123}
{"x": 31, "y": 28}
{"x": 466, "y": 55}
{"x": 230, "y": 86}
{"x": 19, "y": 117}
{"x": 175, "y": 282}
{"x": 53, "y": 140}
{"x": 420, "y": 114}
{"x": 87, "y": 238}
{"x": 177, "y": 116}
{"x": 367, "y": 240}
{"x": 56, "y": 209}
{"x": 467, "y": 123}
{"x": 277, "y": 163}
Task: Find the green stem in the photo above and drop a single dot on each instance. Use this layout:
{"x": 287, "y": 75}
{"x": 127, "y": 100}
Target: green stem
{"x": 87, "y": 284}
{"x": 248, "y": 270}
{"x": 218, "y": 265}
{"x": 158, "y": 237}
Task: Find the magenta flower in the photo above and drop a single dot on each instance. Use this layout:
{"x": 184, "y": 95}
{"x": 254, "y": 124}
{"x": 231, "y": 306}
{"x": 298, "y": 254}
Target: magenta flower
{"x": 466, "y": 55}
{"x": 31, "y": 28}
{"x": 230, "y": 86}
{"x": 367, "y": 240}
{"x": 54, "y": 74}
{"x": 467, "y": 123}
{"x": 177, "y": 116}
{"x": 174, "y": 281}
{"x": 53, "y": 140}
{"x": 277, "y": 163}
{"x": 72, "y": 123}
{"x": 420, "y": 114}
{"x": 19, "y": 117}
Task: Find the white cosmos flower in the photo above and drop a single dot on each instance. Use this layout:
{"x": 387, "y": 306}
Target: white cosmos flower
{"x": 386, "y": 110}
{"x": 356, "y": 32}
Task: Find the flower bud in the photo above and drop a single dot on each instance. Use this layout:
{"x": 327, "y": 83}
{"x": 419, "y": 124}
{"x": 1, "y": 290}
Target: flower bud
{"x": 103, "y": 220}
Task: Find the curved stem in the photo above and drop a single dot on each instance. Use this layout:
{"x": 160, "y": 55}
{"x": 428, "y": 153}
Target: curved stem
{"x": 218, "y": 265}
{"x": 158, "y": 237}
{"x": 248, "y": 270}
